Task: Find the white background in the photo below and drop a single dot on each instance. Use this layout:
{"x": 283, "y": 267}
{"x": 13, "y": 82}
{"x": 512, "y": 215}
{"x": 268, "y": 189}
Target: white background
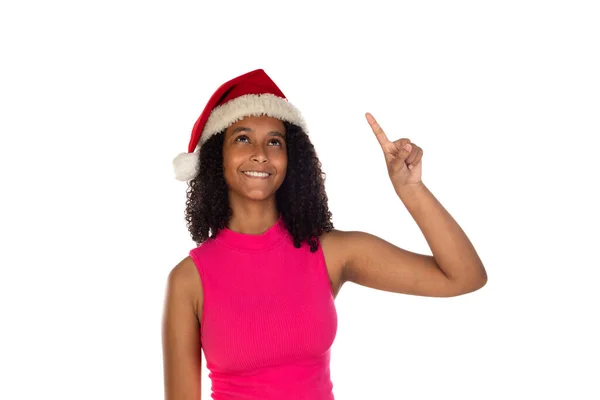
{"x": 96, "y": 99}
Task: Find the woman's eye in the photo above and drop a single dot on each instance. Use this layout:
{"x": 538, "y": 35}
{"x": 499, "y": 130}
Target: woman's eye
{"x": 245, "y": 138}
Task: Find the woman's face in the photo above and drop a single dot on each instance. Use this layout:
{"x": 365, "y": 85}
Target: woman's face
{"x": 254, "y": 144}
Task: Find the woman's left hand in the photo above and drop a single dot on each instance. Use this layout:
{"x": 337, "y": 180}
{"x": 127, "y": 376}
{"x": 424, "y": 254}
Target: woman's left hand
{"x": 403, "y": 158}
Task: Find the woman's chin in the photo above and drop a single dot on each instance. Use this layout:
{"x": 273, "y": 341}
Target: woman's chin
{"x": 252, "y": 194}
{"x": 258, "y": 195}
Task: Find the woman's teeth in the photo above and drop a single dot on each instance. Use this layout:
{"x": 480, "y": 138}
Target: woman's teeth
{"x": 257, "y": 174}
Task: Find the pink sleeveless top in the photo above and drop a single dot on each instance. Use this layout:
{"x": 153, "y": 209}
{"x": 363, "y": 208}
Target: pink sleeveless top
{"x": 268, "y": 319}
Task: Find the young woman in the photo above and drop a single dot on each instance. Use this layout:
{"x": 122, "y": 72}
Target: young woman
{"x": 257, "y": 294}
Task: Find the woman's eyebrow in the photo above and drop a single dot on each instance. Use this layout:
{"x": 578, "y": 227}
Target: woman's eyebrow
{"x": 277, "y": 133}
{"x": 241, "y": 129}
{"x": 246, "y": 129}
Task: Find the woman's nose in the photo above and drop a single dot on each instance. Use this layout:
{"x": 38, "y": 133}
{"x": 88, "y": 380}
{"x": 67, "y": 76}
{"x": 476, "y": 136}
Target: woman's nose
{"x": 259, "y": 154}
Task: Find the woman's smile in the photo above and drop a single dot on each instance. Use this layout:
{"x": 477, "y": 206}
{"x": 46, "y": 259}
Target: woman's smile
{"x": 256, "y": 175}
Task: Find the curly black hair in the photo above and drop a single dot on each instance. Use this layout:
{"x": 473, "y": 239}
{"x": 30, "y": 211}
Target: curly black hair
{"x": 301, "y": 199}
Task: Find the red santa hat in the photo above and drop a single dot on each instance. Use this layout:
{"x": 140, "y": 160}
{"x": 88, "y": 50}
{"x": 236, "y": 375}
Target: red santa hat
{"x": 250, "y": 94}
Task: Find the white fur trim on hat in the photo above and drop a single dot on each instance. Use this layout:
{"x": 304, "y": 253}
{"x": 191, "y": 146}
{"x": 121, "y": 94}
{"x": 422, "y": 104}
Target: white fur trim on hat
{"x": 186, "y": 166}
{"x": 234, "y": 110}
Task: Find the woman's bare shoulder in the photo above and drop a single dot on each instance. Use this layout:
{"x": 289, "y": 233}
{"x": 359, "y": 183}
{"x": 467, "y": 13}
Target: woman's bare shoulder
{"x": 332, "y": 243}
{"x": 334, "y": 234}
{"x": 182, "y": 347}
{"x": 186, "y": 277}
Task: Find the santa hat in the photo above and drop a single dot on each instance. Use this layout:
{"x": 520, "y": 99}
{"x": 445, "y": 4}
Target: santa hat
{"x": 250, "y": 94}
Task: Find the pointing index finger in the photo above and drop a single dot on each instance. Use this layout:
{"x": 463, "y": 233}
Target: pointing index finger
{"x": 379, "y": 133}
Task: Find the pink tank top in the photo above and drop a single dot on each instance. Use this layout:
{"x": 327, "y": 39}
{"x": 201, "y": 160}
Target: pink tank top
{"x": 268, "y": 319}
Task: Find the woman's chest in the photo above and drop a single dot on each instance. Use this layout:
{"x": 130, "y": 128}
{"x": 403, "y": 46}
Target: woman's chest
{"x": 319, "y": 272}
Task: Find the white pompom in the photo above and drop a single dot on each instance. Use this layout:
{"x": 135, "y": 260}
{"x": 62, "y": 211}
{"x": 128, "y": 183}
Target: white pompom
{"x": 186, "y": 166}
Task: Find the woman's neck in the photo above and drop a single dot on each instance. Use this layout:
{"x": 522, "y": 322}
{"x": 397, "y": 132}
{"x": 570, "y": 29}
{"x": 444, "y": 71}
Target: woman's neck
{"x": 253, "y": 223}
{"x": 252, "y": 216}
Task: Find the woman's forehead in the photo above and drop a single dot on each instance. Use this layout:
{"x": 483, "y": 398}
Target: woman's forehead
{"x": 263, "y": 121}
